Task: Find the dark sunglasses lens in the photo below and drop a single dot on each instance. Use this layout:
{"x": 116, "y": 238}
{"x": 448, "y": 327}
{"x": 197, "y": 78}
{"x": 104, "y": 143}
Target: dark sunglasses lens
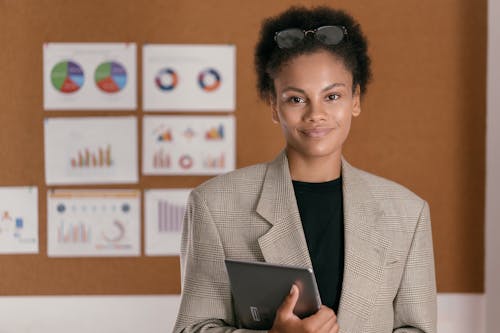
{"x": 330, "y": 35}
{"x": 289, "y": 38}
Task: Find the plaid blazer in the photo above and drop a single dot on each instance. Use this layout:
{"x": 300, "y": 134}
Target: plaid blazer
{"x": 251, "y": 214}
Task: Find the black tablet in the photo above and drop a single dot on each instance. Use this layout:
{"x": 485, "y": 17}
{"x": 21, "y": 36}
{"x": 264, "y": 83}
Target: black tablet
{"x": 259, "y": 288}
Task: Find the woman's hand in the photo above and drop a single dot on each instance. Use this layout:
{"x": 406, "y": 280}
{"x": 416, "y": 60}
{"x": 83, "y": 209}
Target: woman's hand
{"x": 323, "y": 321}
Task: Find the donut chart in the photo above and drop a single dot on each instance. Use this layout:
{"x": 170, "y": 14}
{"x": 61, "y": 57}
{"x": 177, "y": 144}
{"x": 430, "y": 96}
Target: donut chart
{"x": 110, "y": 77}
{"x": 209, "y": 80}
{"x": 166, "y": 79}
{"x": 67, "y": 76}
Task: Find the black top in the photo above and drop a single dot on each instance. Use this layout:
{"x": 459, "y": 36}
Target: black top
{"x": 321, "y": 211}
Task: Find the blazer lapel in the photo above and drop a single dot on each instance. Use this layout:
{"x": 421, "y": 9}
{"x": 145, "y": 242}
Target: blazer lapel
{"x": 365, "y": 247}
{"x": 365, "y": 250}
{"x": 285, "y": 242}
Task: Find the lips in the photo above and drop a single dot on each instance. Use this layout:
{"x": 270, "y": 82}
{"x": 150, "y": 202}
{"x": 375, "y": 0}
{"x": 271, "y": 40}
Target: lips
{"x": 317, "y": 132}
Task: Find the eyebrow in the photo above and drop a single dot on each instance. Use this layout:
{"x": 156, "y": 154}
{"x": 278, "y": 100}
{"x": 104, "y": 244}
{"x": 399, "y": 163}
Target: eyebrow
{"x": 333, "y": 85}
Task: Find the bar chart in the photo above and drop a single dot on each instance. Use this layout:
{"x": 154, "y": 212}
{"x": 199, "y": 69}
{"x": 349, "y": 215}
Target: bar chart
{"x": 96, "y": 158}
{"x": 164, "y": 217}
{"x": 73, "y": 233}
{"x": 170, "y": 216}
{"x": 161, "y": 159}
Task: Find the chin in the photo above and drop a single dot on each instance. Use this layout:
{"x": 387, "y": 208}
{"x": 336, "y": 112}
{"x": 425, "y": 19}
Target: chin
{"x": 319, "y": 153}
{"x": 316, "y": 150}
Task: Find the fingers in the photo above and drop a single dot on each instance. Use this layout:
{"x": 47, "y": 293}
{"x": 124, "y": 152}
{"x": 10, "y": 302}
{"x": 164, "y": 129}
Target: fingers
{"x": 331, "y": 325}
{"x": 324, "y": 320}
{"x": 285, "y": 318}
{"x": 288, "y": 304}
{"x": 325, "y": 311}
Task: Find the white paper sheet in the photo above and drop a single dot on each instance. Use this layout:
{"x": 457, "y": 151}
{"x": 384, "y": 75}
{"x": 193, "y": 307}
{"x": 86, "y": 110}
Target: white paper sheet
{"x": 189, "y": 77}
{"x": 90, "y": 223}
{"x": 188, "y": 145}
{"x": 164, "y": 213}
{"x": 18, "y": 220}
{"x": 94, "y": 150}
{"x": 89, "y": 76}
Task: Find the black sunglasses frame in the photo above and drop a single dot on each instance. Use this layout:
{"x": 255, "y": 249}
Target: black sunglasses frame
{"x": 306, "y": 33}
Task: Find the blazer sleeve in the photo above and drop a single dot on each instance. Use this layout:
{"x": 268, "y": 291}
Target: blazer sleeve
{"x": 206, "y": 304}
{"x": 415, "y": 303}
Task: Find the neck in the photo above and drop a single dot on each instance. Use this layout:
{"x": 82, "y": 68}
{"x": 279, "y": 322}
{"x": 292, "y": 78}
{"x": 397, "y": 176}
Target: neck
{"x": 313, "y": 169}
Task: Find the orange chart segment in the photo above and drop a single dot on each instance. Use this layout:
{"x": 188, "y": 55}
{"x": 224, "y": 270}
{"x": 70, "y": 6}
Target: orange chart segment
{"x": 111, "y": 77}
{"x": 67, "y": 77}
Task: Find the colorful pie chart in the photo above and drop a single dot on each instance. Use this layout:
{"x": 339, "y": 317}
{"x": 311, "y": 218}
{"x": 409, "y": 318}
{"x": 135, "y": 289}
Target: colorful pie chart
{"x": 110, "y": 77}
{"x": 67, "y": 76}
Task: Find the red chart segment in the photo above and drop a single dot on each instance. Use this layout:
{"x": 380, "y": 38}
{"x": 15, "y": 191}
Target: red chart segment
{"x": 110, "y": 77}
{"x": 67, "y": 77}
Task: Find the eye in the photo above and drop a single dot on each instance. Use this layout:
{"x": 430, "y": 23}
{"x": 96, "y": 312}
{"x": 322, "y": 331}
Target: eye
{"x": 333, "y": 97}
{"x": 295, "y": 100}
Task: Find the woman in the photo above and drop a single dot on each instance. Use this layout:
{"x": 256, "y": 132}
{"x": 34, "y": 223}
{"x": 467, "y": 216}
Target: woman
{"x": 367, "y": 239}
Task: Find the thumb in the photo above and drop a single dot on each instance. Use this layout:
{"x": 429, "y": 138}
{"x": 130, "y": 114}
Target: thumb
{"x": 288, "y": 304}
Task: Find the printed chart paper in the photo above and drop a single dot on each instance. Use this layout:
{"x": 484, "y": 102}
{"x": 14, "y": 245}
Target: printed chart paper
{"x": 95, "y": 150}
{"x": 188, "y": 145}
{"x": 189, "y": 77}
{"x": 89, "y": 76}
{"x": 164, "y": 215}
{"x": 90, "y": 223}
{"x": 18, "y": 220}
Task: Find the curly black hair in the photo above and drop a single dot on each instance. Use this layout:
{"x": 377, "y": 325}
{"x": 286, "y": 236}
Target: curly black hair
{"x": 352, "y": 50}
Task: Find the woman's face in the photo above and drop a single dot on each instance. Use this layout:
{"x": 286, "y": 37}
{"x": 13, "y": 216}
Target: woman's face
{"x": 314, "y": 104}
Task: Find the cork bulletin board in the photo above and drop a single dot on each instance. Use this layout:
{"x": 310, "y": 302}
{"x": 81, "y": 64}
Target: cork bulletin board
{"x": 422, "y": 121}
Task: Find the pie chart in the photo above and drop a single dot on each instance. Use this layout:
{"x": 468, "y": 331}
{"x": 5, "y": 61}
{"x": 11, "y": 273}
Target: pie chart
{"x": 67, "y": 76}
{"x": 110, "y": 77}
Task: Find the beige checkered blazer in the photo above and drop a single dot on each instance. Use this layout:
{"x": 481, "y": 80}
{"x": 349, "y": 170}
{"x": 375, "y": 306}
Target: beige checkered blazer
{"x": 252, "y": 214}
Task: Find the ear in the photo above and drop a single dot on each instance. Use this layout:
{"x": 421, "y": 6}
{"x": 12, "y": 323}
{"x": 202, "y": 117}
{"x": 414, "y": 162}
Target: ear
{"x": 274, "y": 109}
{"x": 356, "y": 102}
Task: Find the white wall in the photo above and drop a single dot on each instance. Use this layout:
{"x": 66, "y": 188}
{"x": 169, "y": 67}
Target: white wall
{"x": 492, "y": 227}
{"x": 457, "y": 313}
{"x": 88, "y": 314}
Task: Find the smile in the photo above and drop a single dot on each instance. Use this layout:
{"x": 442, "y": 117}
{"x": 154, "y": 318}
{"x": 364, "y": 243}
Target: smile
{"x": 315, "y": 132}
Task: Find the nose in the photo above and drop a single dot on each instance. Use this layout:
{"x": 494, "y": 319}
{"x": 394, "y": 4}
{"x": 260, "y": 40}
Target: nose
{"x": 315, "y": 112}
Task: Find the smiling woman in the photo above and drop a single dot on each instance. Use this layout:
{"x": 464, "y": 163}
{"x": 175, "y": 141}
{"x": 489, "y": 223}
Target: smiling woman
{"x": 314, "y": 105}
{"x": 367, "y": 239}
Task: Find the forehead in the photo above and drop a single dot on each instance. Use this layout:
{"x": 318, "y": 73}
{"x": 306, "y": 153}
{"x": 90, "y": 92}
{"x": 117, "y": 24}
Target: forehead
{"x": 320, "y": 67}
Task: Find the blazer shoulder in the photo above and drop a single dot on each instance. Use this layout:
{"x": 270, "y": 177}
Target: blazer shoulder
{"x": 239, "y": 180}
{"x": 382, "y": 188}
{"x": 401, "y": 208}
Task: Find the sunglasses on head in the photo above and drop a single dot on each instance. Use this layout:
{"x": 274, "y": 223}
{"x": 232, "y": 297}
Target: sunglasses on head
{"x": 327, "y": 34}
